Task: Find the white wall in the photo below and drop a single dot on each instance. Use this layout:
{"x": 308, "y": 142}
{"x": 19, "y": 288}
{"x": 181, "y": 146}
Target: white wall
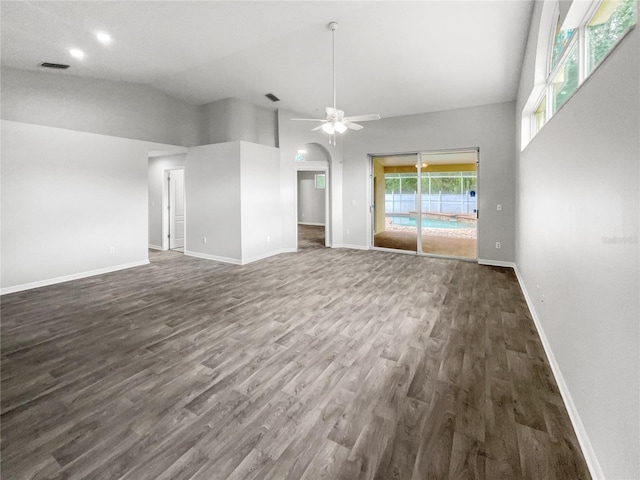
{"x": 212, "y": 190}
{"x": 130, "y": 110}
{"x": 490, "y": 127}
{"x": 314, "y": 153}
{"x": 577, "y": 240}
{"x": 232, "y": 120}
{"x": 260, "y": 201}
{"x": 310, "y": 199}
{"x": 233, "y": 199}
{"x": 73, "y": 203}
{"x": 119, "y": 109}
{"x": 157, "y": 184}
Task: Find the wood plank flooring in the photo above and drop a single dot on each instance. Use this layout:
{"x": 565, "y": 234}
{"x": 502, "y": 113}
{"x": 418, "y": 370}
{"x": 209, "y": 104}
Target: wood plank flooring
{"x": 322, "y": 364}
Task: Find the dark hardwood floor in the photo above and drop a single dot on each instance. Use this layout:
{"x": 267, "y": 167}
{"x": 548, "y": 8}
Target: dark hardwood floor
{"x": 310, "y": 236}
{"x": 326, "y": 363}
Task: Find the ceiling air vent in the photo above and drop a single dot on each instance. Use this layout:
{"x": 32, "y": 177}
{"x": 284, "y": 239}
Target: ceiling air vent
{"x": 272, "y": 97}
{"x": 57, "y": 66}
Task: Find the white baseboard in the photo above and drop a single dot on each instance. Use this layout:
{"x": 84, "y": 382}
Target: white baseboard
{"x": 235, "y": 261}
{"x": 313, "y": 224}
{"x": 68, "y": 278}
{"x": 496, "y": 263}
{"x": 587, "y": 449}
{"x": 263, "y": 256}
{"x": 206, "y": 256}
{"x": 155, "y": 247}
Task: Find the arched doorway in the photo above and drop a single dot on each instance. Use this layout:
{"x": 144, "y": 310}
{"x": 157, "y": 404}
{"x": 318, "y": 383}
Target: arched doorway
{"x": 313, "y": 193}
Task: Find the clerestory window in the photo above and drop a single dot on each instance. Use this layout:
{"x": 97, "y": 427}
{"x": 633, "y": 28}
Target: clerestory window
{"x": 575, "y": 52}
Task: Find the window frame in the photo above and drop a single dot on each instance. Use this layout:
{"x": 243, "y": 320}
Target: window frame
{"x": 562, "y": 61}
{"x": 578, "y": 40}
{"x": 565, "y": 49}
{"x": 534, "y": 121}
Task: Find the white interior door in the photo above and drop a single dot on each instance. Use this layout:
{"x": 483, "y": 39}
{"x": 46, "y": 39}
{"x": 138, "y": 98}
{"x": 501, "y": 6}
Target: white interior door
{"x": 176, "y": 208}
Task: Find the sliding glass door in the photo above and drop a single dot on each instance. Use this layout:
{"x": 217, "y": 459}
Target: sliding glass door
{"x": 426, "y": 203}
{"x": 395, "y": 203}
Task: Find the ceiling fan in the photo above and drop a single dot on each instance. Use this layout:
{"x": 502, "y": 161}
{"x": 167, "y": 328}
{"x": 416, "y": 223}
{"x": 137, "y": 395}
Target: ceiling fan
{"x": 335, "y": 121}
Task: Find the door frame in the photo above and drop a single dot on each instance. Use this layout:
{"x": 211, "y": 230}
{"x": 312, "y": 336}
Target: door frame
{"x": 165, "y": 209}
{"x": 372, "y": 206}
{"x": 327, "y": 198}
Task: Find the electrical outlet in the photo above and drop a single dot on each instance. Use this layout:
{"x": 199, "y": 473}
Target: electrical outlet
{"x": 348, "y": 231}
{"x": 112, "y": 250}
{"x": 499, "y": 207}
{"x": 204, "y": 239}
{"x": 498, "y": 245}
{"x": 268, "y": 238}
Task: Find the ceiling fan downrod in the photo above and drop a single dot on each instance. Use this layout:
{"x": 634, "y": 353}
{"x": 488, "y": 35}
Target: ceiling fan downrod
{"x": 335, "y": 120}
{"x": 333, "y": 26}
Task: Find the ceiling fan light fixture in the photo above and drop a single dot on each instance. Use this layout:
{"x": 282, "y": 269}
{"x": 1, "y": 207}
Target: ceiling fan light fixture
{"x": 329, "y": 128}
{"x": 340, "y": 127}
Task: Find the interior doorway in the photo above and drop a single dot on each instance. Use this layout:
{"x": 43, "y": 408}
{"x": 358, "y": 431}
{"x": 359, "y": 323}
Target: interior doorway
{"x": 426, "y": 203}
{"x": 175, "y": 209}
{"x": 312, "y": 208}
{"x": 160, "y": 163}
{"x": 313, "y": 196}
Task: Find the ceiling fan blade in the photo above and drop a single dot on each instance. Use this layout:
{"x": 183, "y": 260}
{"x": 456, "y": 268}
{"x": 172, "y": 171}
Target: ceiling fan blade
{"x": 352, "y": 126}
{"x": 319, "y": 127}
{"x": 309, "y": 119}
{"x": 362, "y": 118}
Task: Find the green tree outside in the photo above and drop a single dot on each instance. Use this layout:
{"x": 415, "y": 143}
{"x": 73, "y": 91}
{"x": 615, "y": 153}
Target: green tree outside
{"x": 444, "y": 184}
{"x": 602, "y": 37}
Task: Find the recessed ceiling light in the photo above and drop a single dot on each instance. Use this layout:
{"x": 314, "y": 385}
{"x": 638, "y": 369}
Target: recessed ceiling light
{"x": 76, "y": 53}
{"x": 104, "y": 38}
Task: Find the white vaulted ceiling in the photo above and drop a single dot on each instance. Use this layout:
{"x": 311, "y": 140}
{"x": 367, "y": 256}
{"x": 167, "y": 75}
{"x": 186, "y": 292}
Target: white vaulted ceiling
{"x": 393, "y": 58}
